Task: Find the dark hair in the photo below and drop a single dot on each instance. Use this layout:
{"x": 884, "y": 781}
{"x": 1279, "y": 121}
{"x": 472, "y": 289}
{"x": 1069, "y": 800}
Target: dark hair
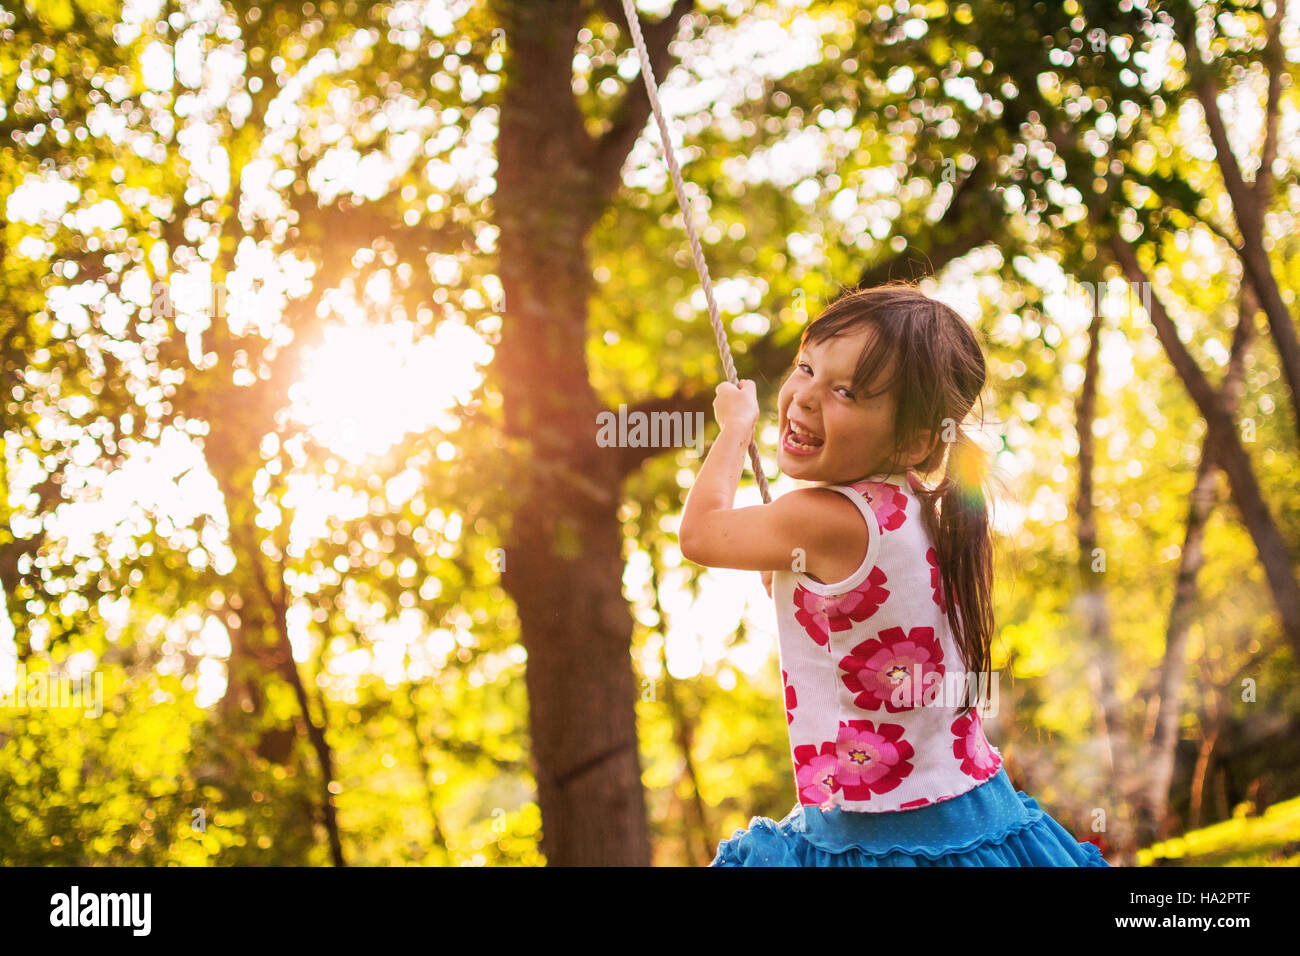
{"x": 938, "y": 374}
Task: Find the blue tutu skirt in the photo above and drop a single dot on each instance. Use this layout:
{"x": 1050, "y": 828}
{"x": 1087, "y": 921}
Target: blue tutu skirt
{"x": 992, "y": 824}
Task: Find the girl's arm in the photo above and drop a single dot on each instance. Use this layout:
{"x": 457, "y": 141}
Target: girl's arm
{"x": 820, "y": 526}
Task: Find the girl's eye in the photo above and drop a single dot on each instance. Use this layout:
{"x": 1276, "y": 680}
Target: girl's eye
{"x": 807, "y": 370}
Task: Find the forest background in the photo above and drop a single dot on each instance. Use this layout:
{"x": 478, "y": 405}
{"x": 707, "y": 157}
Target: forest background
{"x": 308, "y": 312}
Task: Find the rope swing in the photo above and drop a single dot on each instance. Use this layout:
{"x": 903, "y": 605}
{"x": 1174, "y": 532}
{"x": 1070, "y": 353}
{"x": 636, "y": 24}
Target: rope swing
{"x": 697, "y": 253}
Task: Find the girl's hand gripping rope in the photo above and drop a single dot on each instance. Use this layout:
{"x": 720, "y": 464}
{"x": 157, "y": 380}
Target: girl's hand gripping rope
{"x": 736, "y": 407}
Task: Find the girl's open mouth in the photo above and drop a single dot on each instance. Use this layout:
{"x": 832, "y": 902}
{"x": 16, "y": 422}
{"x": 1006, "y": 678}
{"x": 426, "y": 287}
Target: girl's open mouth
{"x": 800, "y": 441}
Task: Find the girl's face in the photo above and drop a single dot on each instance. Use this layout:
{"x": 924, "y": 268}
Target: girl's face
{"x": 829, "y": 434}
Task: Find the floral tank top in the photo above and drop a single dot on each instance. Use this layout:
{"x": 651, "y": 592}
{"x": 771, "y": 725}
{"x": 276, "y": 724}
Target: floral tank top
{"x": 873, "y": 678}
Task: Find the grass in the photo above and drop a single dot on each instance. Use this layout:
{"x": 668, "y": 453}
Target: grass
{"x": 1269, "y": 840}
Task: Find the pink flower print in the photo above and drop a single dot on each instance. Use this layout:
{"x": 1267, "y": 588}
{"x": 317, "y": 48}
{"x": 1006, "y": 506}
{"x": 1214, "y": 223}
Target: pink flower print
{"x": 887, "y": 500}
{"x": 913, "y": 804}
{"x": 814, "y": 773}
{"x": 972, "y": 748}
{"x": 893, "y": 669}
{"x": 820, "y": 614}
{"x": 790, "y": 700}
{"x": 936, "y": 580}
{"x": 871, "y": 760}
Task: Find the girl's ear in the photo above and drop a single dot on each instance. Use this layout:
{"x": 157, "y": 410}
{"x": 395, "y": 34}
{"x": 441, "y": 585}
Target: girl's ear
{"x": 920, "y": 447}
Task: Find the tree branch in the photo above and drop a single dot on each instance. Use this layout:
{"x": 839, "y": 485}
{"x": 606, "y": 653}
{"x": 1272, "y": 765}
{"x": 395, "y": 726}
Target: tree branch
{"x": 344, "y": 227}
{"x": 610, "y": 151}
{"x": 1249, "y": 214}
{"x": 680, "y": 403}
{"x": 1249, "y": 218}
{"x": 1272, "y": 59}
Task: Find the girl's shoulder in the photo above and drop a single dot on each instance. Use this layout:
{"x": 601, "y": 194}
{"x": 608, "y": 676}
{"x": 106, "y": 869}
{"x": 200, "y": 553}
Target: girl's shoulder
{"x": 821, "y": 505}
{"x": 831, "y": 519}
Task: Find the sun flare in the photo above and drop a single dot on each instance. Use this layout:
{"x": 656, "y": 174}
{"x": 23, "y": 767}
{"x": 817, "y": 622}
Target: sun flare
{"x": 367, "y": 386}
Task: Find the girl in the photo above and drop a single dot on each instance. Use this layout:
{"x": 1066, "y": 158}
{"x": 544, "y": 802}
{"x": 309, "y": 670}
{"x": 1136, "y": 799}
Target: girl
{"x": 883, "y": 592}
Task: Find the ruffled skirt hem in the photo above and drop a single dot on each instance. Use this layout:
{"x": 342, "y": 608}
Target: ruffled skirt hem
{"x": 991, "y": 825}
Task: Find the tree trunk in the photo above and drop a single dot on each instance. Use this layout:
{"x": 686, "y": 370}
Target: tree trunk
{"x": 260, "y": 644}
{"x": 563, "y": 555}
{"x": 1093, "y": 600}
{"x": 436, "y": 836}
{"x": 1153, "y": 803}
{"x": 1203, "y": 753}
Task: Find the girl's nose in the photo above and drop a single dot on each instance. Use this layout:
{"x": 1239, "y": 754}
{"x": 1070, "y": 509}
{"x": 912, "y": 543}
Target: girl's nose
{"x": 804, "y": 396}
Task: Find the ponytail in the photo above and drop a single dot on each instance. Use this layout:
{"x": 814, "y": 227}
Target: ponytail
{"x": 957, "y": 516}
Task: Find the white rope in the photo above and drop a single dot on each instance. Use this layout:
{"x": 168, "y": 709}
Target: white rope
{"x": 697, "y": 253}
